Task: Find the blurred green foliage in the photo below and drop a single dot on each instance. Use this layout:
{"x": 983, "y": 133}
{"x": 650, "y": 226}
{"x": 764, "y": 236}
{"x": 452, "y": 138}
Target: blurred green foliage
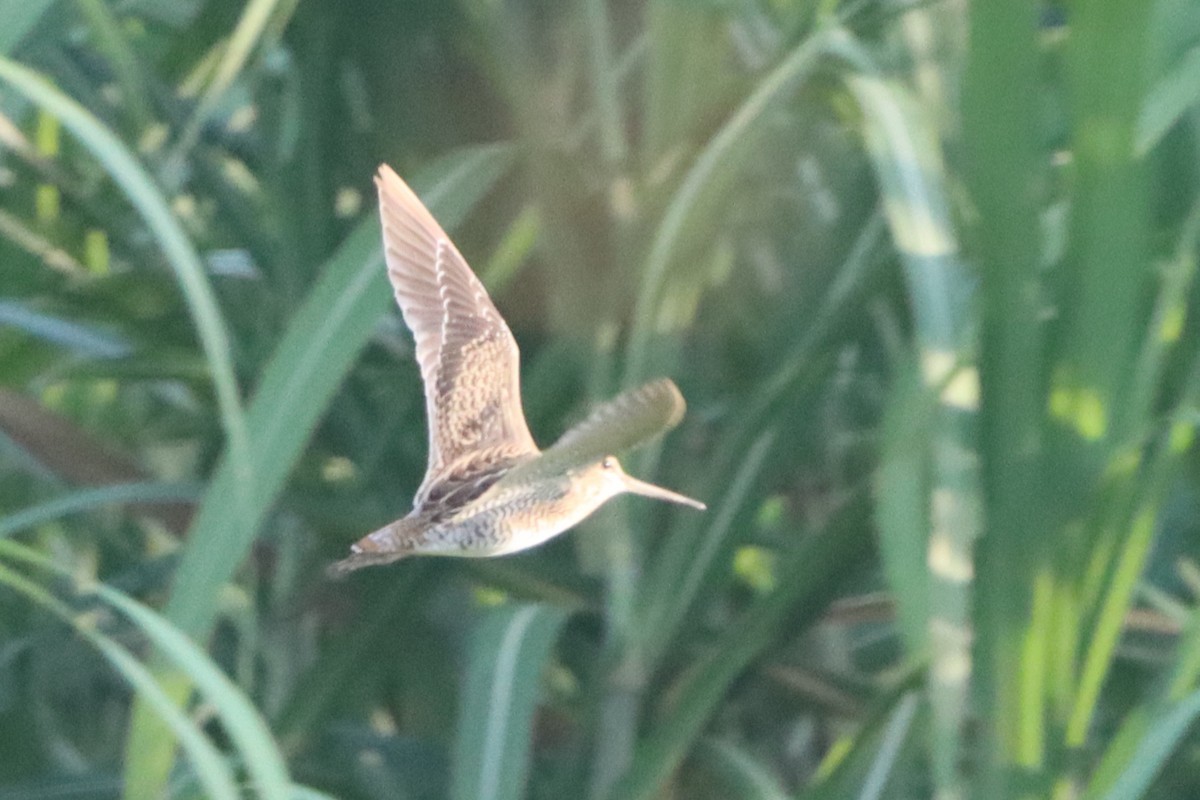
{"x": 924, "y": 271}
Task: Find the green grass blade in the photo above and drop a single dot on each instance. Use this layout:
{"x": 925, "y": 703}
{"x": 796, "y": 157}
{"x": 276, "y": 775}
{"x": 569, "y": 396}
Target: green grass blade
{"x": 87, "y": 340}
{"x": 91, "y": 499}
{"x": 155, "y": 211}
{"x": 130, "y": 74}
{"x": 1002, "y": 125}
{"x": 605, "y": 83}
{"x": 1137, "y": 522}
{"x": 246, "y": 36}
{"x": 854, "y": 756}
{"x": 677, "y": 591}
{"x": 320, "y": 344}
{"x": 799, "y": 371}
{"x": 1125, "y": 746}
{"x": 20, "y": 17}
{"x": 1185, "y": 670}
{"x": 1107, "y": 275}
{"x": 213, "y": 773}
{"x": 1107, "y": 262}
{"x": 239, "y": 718}
{"x": 807, "y": 580}
{"x": 902, "y": 505}
{"x": 508, "y": 652}
{"x": 892, "y": 739}
{"x": 721, "y": 152}
{"x": 300, "y": 792}
{"x": 1151, "y": 753}
{"x": 903, "y": 148}
{"x": 737, "y": 773}
{"x": 1172, "y": 97}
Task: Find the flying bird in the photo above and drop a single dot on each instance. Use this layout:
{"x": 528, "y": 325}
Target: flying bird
{"x": 488, "y": 489}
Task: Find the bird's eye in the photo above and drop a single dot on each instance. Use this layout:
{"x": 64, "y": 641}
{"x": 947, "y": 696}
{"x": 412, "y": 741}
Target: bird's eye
{"x": 609, "y": 462}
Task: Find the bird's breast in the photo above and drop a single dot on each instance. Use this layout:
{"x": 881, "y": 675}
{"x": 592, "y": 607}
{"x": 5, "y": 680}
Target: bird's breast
{"x": 527, "y": 517}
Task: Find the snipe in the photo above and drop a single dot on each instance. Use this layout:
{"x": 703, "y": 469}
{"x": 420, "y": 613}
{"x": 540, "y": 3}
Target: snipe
{"x": 488, "y": 490}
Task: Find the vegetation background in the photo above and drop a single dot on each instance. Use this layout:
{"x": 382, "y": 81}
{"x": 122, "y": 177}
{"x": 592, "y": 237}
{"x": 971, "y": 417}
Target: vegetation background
{"x": 924, "y": 270}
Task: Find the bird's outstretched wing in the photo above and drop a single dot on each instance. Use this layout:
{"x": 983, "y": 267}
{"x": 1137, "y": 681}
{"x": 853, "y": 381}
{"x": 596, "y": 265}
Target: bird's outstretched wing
{"x": 625, "y": 421}
{"x": 468, "y": 358}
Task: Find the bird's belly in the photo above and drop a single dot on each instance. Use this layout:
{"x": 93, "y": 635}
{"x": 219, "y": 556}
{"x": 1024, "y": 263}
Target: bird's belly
{"x": 505, "y": 529}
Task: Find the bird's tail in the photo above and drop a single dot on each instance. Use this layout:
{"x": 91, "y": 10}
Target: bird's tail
{"x": 390, "y": 543}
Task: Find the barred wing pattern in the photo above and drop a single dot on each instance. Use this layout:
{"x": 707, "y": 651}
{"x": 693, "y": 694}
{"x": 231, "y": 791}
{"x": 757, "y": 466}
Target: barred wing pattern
{"x": 468, "y": 358}
{"x": 625, "y": 421}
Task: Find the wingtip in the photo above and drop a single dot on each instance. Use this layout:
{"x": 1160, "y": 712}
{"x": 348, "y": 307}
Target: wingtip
{"x": 397, "y": 195}
{"x": 675, "y": 397}
{"x": 387, "y": 180}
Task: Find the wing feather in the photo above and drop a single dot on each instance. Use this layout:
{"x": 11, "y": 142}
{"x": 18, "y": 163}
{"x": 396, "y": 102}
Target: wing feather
{"x": 469, "y": 361}
{"x": 626, "y": 421}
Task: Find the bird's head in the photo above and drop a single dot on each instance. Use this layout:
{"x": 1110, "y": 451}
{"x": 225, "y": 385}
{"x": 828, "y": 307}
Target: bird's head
{"x": 610, "y": 480}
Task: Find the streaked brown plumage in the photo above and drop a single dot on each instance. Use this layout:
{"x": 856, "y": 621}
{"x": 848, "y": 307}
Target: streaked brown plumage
{"x": 488, "y": 490}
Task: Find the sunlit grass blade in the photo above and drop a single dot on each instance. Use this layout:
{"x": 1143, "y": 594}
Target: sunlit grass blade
{"x": 1127, "y": 744}
{"x": 508, "y": 652}
{"x": 904, "y": 150}
{"x": 1137, "y": 523}
{"x": 152, "y": 206}
{"x": 319, "y": 346}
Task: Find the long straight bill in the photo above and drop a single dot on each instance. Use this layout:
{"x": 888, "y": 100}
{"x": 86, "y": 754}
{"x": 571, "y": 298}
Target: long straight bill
{"x": 659, "y": 493}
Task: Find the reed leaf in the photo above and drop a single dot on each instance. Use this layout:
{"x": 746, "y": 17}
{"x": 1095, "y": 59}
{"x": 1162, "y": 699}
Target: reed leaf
{"x": 508, "y": 653}
{"x": 211, "y": 770}
{"x": 903, "y": 147}
{"x": 806, "y": 583}
{"x": 148, "y": 200}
